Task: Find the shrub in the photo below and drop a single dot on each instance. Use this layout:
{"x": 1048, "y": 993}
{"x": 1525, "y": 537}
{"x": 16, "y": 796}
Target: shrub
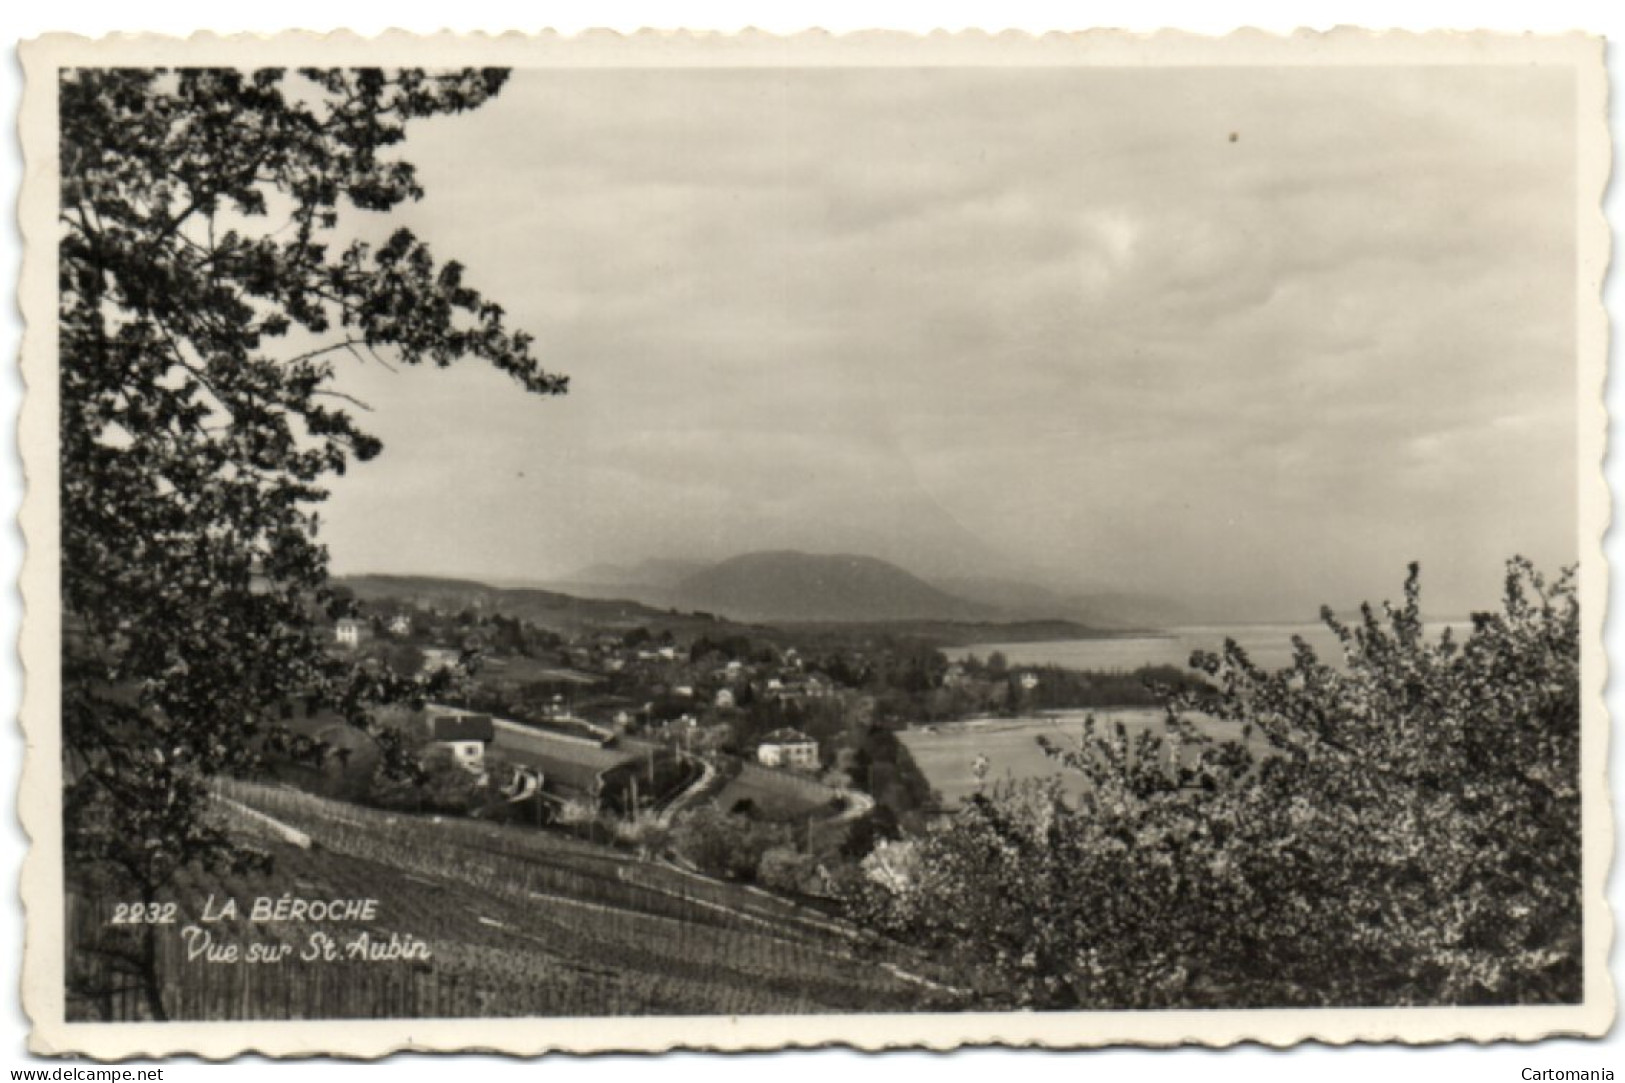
{"x": 1403, "y": 830}
{"x": 782, "y": 868}
{"x": 725, "y": 845}
{"x": 645, "y": 833}
{"x": 435, "y": 782}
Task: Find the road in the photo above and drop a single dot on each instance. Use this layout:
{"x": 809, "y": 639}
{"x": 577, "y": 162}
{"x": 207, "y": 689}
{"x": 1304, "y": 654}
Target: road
{"x": 676, "y": 804}
{"x": 858, "y": 803}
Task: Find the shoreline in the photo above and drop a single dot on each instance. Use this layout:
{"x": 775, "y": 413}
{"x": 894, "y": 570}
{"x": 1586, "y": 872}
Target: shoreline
{"x": 1062, "y": 717}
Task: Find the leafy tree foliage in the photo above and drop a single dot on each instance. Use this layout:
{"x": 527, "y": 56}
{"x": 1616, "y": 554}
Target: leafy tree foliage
{"x": 783, "y": 868}
{"x": 869, "y": 830}
{"x": 205, "y": 298}
{"x": 1401, "y": 830}
{"x": 726, "y": 845}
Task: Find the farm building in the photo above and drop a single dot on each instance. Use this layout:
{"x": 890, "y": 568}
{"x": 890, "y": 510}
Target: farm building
{"x": 788, "y": 748}
{"x": 464, "y": 733}
{"x": 572, "y": 766}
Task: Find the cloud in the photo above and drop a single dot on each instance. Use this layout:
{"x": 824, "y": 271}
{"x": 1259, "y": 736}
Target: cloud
{"x": 1053, "y": 318}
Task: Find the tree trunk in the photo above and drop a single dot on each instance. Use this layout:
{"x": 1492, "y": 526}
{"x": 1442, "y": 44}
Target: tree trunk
{"x": 152, "y": 986}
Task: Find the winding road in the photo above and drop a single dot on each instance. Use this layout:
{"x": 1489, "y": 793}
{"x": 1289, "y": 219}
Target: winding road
{"x": 677, "y": 803}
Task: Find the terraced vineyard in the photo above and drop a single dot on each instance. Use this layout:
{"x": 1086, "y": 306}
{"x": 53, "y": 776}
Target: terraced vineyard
{"x": 516, "y": 922}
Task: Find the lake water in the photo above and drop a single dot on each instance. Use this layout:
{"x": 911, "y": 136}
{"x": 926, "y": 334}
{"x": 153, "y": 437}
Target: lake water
{"x": 1269, "y": 646}
{"x": 947, "y": 753}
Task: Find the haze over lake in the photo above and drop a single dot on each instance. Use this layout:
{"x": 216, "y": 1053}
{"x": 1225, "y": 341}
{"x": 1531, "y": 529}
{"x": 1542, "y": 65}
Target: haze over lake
{"x": 1269, "y": 645}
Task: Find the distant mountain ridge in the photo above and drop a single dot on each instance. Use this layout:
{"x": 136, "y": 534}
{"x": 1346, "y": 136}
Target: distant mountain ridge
{"x": 790, "y": 585}
{"x": 890, "y": 591}
{"x": 554, "y": 610}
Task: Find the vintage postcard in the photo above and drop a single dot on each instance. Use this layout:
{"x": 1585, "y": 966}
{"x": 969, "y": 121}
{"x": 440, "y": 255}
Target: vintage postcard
{"x": 736, "y": 542}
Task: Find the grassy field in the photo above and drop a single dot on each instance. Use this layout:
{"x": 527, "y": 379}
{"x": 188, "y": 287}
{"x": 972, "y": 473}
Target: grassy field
{"x": 947, "y": 753}
{"x": 777, "y": 794}
{"x": 518, "y": 922}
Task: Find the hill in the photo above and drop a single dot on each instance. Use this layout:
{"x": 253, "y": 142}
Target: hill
{"x": 794, "y": 592}
{"x": 566, "y": 614}
{"x": 787, "y": 585}
{"x": 660, "y": 583}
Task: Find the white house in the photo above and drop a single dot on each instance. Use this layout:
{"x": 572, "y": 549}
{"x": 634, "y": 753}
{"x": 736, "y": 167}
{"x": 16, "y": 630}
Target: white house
{"x": 1029, "y": 681}
{"x": 725, "y": 697}
{"x": 437, "y": 658}
{"x": 464, "y": 733}
{"x": 788, "y": 748}
{"x": 349, "y": 632}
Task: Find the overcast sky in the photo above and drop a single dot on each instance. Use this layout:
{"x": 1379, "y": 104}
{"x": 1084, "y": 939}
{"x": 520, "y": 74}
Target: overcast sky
{"x": 1262, "y": 334}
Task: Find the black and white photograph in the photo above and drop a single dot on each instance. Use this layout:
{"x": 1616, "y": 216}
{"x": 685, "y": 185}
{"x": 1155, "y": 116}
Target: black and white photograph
{"x": 735, "y": 541}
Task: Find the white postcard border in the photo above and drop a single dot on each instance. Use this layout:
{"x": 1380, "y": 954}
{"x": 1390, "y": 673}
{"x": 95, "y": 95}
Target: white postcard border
{"x": 39, "y": 794}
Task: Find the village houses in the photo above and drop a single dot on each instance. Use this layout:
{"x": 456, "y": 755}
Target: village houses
{"x": 788, "y": 748}
{"x": 464, "y": 733}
